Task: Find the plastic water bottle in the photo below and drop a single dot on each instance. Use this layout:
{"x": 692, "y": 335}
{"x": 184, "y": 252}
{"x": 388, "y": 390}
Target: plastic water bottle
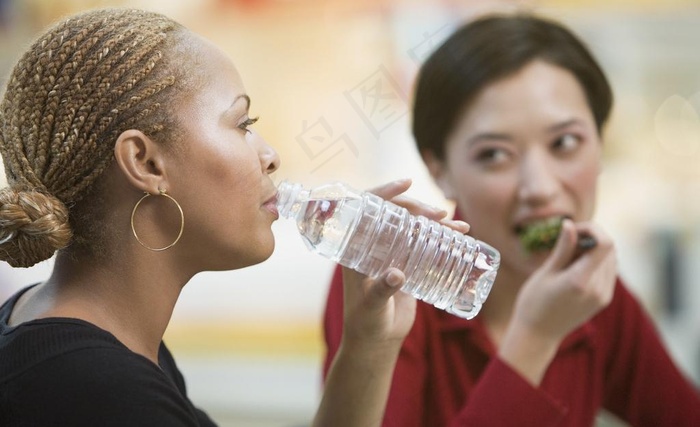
{"x": 362, "y": 231}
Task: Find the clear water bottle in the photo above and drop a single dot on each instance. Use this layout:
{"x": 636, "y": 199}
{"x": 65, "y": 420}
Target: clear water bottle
{"x": 364, "y": 232}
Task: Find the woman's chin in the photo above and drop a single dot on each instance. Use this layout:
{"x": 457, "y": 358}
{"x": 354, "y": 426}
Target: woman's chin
{"x": 237, "y": 261}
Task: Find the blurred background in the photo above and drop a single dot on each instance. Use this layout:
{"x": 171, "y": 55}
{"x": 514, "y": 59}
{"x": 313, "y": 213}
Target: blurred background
{"x": 332, "y": 82}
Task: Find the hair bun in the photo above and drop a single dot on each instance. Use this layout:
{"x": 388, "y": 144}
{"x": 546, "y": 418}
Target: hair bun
{"x": 33, "y": 226}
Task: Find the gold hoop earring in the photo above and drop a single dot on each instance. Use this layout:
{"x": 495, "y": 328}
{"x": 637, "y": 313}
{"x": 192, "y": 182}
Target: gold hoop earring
{"x": 182, "y": 222}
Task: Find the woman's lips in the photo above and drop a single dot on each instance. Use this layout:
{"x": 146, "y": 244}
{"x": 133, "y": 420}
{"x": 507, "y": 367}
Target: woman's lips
{"x": 271, "y": 206}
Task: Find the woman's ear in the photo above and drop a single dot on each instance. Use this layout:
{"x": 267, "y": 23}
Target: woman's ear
{"x": 437, "y": 170}
{"x": 141, "y": 161}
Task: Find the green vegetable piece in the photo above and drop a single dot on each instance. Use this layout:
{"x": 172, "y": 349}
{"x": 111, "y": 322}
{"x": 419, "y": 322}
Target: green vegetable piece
{"x": 541, "y": 235}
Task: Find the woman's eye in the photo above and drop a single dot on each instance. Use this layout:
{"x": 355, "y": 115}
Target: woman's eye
{"x": 491, "y": 156}
{"x": 567, "y": 142}
{"x": 246, "y": 123}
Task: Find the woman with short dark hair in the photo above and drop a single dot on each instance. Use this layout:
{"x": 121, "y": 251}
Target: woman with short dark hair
{"x": 508, "y": 117}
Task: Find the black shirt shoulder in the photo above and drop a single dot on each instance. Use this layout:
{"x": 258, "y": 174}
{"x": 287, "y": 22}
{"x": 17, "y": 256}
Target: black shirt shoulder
{"x": 67, "y": 372}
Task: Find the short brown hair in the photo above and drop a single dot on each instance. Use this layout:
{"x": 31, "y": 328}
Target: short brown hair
{"x": 486, "y": 50}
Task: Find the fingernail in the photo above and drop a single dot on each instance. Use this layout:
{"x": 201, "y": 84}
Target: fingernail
{"x": 393, "y": 279}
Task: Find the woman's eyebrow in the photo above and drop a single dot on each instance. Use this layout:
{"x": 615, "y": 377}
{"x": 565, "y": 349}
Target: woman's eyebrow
{"x": 488, "y": 136}
{"x": 563, "y": 125}
{"x": 242, "y": 96}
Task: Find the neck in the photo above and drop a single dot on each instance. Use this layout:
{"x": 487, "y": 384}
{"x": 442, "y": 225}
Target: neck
{"x": 498, "y": 308}
{"x": 132, "y": 297}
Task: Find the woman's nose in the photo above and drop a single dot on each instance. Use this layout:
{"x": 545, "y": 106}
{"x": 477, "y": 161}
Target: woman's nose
{"x": 538, "y": 181}
{"x": 269, "y": 159}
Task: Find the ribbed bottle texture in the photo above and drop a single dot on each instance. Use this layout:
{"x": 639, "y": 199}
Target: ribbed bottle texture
{"x": 362, "y": 231}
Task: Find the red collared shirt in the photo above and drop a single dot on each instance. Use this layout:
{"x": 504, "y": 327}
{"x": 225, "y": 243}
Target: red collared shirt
{"x": 448, "y": 373}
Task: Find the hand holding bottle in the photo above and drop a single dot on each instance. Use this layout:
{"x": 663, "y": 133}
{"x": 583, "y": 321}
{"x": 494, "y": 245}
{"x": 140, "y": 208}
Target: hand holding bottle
{"x": 373, "y": 310}
{"x": 377, "y": 318}
{"x": 566, "y": 291}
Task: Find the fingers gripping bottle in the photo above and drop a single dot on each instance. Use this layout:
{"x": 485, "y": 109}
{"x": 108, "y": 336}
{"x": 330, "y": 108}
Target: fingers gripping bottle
{"x": 362, "y": 231}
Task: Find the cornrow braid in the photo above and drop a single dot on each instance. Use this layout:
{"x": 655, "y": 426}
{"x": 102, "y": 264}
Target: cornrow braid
{"x": 85, "y": 81}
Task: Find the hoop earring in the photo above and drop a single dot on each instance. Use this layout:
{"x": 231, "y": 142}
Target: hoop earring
{"x": 182, "y": 222}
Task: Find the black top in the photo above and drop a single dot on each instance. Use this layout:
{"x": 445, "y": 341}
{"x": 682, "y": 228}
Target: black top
{"x": 68, "y": 372}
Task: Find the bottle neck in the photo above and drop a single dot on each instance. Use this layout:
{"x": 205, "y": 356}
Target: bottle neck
{"x": 290, "y": 197}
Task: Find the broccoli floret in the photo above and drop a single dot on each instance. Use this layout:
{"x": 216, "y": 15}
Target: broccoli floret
{"x": 541, "y": 235}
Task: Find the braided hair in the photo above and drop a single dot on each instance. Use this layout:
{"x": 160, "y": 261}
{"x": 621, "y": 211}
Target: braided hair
{"x": 78, "y": 87}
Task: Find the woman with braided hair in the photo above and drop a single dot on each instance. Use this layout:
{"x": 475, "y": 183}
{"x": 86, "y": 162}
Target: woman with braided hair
{"x": 117, "y": 159}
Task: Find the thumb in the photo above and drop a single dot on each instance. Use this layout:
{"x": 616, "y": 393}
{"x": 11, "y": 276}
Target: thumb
{"x": 565, "y": 248}
{"x": 385, "y": 286}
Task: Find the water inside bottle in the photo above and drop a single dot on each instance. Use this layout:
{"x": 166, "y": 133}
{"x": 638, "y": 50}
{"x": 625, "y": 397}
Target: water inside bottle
{"x": 357, "y": 233}
{"x": 325, "y": 225}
